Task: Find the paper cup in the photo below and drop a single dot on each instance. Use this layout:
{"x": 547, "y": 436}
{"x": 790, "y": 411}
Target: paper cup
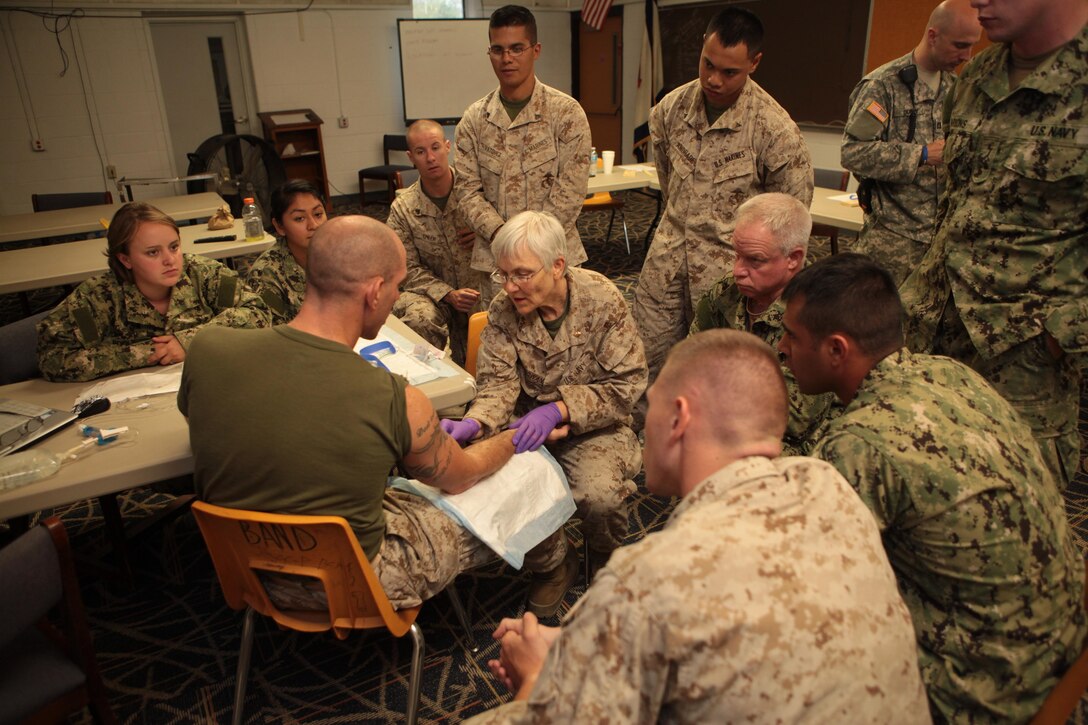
{"x": 609, "y": 158}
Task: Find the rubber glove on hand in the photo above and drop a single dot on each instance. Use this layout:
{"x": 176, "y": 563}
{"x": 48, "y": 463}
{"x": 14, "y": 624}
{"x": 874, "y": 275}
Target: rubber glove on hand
{"x": 533, "y": 427}
{"x": 462, "y": 430}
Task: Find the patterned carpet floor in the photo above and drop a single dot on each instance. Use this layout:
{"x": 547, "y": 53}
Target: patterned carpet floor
{"x": 168, "y": 645}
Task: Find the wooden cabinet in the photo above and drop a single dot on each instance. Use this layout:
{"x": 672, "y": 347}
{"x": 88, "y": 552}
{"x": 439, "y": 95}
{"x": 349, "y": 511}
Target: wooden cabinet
{"x": 296, "y": 134}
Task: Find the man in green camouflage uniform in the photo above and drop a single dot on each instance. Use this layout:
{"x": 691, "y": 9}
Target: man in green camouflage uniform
{"x": 766, "y": 598}
{"x": 771, "y": 241}
{"x": 279, "y": 280}
{"x": 442, "y": 288}
{"x": 106, "y": 326}
{"x": 973, "y": 522}
{"x": 717, "y": 141}
{"x": 524, "y": 146}
{"x": 1005, "y": 287}
{"x": 894, "y": 139}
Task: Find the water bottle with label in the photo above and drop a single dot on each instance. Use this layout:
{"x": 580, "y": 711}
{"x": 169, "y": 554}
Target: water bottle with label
{"x": 593, "y": 161}
{"x": 251, "y": 220}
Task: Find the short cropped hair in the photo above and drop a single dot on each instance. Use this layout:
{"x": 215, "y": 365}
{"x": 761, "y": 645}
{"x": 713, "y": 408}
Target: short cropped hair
{"x": 514, "y": 16}
{"x": 850, "y": 294}
{"x": 285, "y": 193}
{"x": 734, "y": 26}
{"x": 123, "y": 227}
{"x": 536, "y": 232}
{"x": 784, "y": 216}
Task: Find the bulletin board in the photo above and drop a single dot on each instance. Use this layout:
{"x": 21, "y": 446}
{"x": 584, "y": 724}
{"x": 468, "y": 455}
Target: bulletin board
{"x": 444, "y": 67}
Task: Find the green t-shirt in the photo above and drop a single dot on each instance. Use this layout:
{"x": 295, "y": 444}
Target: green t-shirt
{"x": 513, "y": 108}
{"x": 285, "y": 422}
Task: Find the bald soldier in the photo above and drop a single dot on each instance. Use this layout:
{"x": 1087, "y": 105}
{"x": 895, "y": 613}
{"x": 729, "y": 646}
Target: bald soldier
{"x": 441, "y": 289}
{"x": 803, "y": 624}
{"x": 347, "y": 424}
{"x": 894, "y": 139}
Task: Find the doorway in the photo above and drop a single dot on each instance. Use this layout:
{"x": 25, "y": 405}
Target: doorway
{"x": 206, "y": 85}
{"x": 600, "y": 81}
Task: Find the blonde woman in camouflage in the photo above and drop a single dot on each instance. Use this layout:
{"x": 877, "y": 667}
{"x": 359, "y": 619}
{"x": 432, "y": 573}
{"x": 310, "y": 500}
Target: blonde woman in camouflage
{"x": 147, "y": 308}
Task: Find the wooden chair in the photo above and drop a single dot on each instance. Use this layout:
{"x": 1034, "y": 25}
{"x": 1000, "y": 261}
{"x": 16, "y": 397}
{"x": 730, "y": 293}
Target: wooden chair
{"x": 50, "y": 202}
{"x": 47, "y": 671}
{"x": 476, "y": 324}
{"x": 1062, "y": 700}
{"x": 830, "y": 179}
{"x": 241, "y": 543}
{"x": 602, "y": 201}
{"x": 387, "y": 171}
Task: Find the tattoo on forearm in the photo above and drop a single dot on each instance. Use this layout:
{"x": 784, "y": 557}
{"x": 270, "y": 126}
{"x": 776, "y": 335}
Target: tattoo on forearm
{"x": 434, "y": 461}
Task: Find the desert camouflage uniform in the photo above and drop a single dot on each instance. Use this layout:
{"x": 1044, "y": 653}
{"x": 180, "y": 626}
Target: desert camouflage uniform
{"x": 706, "y": 172}
{"x": 724, "y": 306}
{"x": 539, "y": 161}
{"x": 975, "y": 529}
{"x": 1011, "y": 251}
{"x": 105, "y": 326}
{"x": 596, "y": 366}
{"x": 280, "y": 281}
{"x": 740, "y": 610}
{"x": 437, "y": 265}
{"x": 899, "y": 228}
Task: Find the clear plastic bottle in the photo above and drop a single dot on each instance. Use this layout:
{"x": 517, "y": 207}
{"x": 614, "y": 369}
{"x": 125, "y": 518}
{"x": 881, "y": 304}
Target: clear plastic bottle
{"x": 19, "y": 469}
{"x": 593, "y": 161}
{"x": 251, "y": 219}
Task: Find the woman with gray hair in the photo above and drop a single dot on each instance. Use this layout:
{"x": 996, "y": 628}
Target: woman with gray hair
{"x": 561, "y": 361}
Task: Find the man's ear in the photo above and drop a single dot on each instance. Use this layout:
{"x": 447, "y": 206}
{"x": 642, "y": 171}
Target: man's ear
{"x": 838, "y": 347}
{"x": 681, "y": 418}
{"x": 795, "y": 259}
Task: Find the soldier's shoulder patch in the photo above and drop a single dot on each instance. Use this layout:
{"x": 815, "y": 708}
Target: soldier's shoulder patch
{"x": 878, "y": 111}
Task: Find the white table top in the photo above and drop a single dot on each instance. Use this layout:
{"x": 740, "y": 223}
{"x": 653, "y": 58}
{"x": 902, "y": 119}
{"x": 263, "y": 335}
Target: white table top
{"x": 160, "y": 449}
{"x": 73, "y": 262}
{"x": 835, "y": 213}
{"x": 621, "y": 179}
{"x": 59, "y": 222}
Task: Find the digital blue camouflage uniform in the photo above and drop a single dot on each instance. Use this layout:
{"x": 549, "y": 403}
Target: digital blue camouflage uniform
{"x": 280, "y": 281}
{"x": 725, "y": 306}
{"x": 975, "y": 529}
{"x": 1010, "y": 259}
{"x": 105, "y": 326}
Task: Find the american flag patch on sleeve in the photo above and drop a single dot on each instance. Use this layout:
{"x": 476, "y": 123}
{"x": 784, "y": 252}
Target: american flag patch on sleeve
{"x": 878, "y": 111}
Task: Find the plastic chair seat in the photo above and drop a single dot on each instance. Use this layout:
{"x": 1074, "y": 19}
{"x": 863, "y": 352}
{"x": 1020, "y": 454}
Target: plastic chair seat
{"x": 603, "y": 200}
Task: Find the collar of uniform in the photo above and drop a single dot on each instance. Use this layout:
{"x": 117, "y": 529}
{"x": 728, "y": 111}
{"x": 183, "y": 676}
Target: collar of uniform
{"x": 281, "y": 252}
{"x": 723, "y": 482}
{"x": 496, "y": 112}
{"x": 892, "y": 366}
{"x": 1053, "y": 76}
{"x": 731, "y": 118}
{"x": 420, "y": 204}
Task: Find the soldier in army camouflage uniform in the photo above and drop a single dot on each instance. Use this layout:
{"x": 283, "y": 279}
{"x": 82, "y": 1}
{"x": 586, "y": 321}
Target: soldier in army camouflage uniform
{"x": 972, "y": 519}
{"x": 523, "y": 146}
{"x": 716, "y": 142}
{"x": 740, "y": 610}
{"x": 894, "y": 139}
{"x": 770, "y": 240}
{"x": 146, "y": 310}
{"x": 561, "y": 351}
{"x": 279, "y": 275}
{"x": 442, "y": 288}
{"x": 1007, "y": 277}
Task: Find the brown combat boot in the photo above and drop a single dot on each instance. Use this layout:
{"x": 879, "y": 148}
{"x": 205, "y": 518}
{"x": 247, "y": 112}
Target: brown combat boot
{"x": 549, "y": 587}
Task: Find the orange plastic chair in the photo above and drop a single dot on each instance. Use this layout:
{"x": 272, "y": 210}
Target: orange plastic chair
{"x": 324, "y": 547}
{"x": 604, "y": 200}
{"x": 476, "y": 324}
{"x": 1063, "y": 699}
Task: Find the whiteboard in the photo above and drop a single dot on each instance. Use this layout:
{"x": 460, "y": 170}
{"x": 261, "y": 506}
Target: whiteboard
{"x": 444, "y": 67}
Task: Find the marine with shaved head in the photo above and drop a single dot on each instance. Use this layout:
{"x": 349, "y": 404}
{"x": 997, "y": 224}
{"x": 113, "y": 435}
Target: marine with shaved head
{"x": 295, "y": 422}
{"x": 442, "y": 288}
{"x": 767, "y": 596}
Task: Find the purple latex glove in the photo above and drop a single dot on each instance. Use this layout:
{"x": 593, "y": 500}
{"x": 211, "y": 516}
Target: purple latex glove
{"x": 462, "y": 430}
{"x": 533, "y": 427}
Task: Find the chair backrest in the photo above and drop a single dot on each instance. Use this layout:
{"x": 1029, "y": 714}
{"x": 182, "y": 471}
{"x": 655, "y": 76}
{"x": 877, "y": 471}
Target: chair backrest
{"x": 393, "y": 142}
{"x": 404, "y": 179}
{"x": 49, "y": 202}
{"x": 19, "y": 341}
{"x": 323, "y": 547}
{"x": 831, "y": 178}
{"x": 476, "y": 324}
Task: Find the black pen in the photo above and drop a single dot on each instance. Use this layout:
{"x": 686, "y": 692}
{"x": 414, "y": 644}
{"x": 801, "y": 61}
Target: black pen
{"x": 224, "y": 238}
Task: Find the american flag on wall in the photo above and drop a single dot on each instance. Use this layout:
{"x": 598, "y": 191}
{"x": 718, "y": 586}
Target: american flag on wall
{"x": 594, "y": 12}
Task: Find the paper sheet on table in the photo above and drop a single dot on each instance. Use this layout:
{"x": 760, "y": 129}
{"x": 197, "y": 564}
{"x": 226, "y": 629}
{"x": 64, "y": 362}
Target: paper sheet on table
{"x": 847, "y": 199}
{"x": 512, "y": 510}
{"x": 135, "y": 386}
{"x": 647, "y": 168}
{"x": 404, "y": 363}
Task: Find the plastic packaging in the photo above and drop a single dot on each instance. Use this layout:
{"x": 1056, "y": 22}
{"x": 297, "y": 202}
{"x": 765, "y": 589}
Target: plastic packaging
{"x": 19, "y": 469}
{"x": 251, "y": 219}
{"x": 593, "y": 161}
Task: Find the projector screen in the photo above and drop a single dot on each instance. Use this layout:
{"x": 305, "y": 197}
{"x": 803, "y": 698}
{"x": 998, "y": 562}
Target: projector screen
{"x": 444, "y": 67}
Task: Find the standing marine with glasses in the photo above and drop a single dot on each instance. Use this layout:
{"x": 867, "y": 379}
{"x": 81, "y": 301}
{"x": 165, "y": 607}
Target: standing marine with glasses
{"x": 524, "y": 146}
{"x": 561, "y": 361}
